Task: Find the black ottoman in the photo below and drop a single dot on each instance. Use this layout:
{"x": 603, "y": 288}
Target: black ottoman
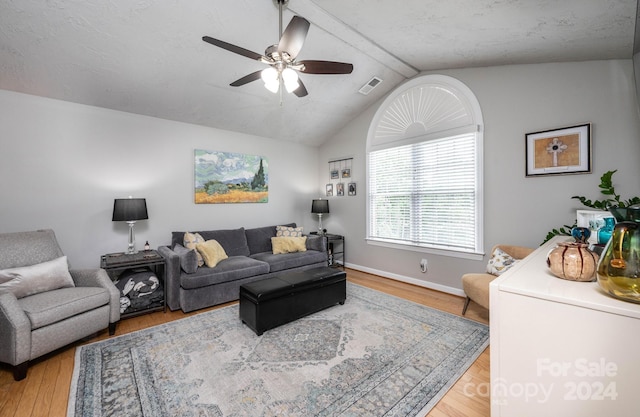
{"x": 271, "y": 302}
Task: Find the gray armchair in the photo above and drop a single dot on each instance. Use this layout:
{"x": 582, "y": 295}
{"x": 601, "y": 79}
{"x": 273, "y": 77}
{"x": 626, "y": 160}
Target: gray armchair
{"x": 37, "y": 321}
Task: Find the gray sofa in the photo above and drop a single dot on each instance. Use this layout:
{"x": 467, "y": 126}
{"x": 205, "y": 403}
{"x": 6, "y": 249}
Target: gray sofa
{"x": 250, "y": 258}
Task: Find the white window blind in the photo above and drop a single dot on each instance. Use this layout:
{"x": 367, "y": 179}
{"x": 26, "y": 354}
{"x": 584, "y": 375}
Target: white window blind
{"x": 424, "y": 193}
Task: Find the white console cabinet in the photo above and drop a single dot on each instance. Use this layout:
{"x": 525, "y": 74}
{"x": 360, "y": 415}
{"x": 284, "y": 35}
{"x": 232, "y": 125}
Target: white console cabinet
{"x": 560, "y": 348}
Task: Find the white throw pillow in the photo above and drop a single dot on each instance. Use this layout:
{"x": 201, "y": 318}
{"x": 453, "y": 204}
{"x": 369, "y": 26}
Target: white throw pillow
{"x": 500, "y": 262}
{"x": 28, "y": 280}
{"x": 190, "y": 241}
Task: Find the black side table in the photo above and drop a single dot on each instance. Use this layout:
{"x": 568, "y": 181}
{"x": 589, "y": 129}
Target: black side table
{"x": 336, "y": 250}
{"x": 117, "y": 263}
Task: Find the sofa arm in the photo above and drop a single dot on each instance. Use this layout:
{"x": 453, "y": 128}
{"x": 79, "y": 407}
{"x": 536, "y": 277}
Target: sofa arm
{"x": 316, "y": 242}
{"x": 99, "y": 278}
{"x": 171, "y": 277}
{"x": 15, "y": 331}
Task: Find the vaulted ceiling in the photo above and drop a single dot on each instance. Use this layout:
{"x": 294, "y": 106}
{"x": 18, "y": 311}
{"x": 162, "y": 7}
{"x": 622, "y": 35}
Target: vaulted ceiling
{"x": 148, "y": 57}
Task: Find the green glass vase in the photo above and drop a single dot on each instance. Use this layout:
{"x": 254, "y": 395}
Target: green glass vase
{"x": 619, "y": 266}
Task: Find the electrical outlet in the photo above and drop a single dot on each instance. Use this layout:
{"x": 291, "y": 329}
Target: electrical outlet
{"x": 423, "y": 265}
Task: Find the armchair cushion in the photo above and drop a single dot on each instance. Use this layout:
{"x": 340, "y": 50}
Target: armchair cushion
{"x": 476, "y": 285}
{"x": 53, "y": 306}
{"x": 28, "y": 280}
{"x": 28, "y": 248}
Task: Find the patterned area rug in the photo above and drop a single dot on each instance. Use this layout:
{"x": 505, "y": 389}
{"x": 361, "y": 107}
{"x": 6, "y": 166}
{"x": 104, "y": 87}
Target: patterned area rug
{"x": 375, "y": 355}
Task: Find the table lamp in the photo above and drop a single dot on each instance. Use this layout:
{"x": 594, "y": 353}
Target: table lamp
{"x": 130, "y": 210}
{"x": 320, "y": 207}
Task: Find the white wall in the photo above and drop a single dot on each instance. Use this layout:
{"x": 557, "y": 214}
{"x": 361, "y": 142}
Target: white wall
{"x": 515, "y": 100}
{"x": 62, "y": 164}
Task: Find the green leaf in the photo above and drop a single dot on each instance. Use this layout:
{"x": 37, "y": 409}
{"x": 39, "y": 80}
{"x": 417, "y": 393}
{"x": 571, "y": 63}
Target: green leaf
{"x": 607, "y": 189}
{"x": 585, "y": 201}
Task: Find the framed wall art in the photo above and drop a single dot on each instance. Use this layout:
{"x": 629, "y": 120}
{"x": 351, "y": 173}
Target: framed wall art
{"x": 351, "y": 188}
{"x": 338, "y": 170}
{"x": 225, "y": 177}
{"x": 329, "y": 190}
{"x": 559, "y": 151}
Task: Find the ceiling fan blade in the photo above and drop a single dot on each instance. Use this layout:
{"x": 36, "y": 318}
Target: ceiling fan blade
{"x": 246, "y": 79}
{"x": 233, "y": 48}
{"x": 325, "y": 67}
{"x": 301, "y": 91}
{"x": 293, "y": 36}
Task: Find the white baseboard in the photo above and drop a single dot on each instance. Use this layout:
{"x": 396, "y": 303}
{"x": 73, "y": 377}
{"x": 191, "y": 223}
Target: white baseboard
{"x": 409, "y": 280}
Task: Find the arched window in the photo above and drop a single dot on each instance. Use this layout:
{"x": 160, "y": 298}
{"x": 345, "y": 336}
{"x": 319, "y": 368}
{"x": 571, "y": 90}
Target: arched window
{"x": 424, "y": 170}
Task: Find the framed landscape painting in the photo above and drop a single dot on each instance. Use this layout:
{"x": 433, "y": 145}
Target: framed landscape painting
{"x": 559, "y": 151}
{"x": 225, "y": 177}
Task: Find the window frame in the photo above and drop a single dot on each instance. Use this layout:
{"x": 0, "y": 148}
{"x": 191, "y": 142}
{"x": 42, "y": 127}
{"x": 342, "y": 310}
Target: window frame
{"x": 458, "y": 99}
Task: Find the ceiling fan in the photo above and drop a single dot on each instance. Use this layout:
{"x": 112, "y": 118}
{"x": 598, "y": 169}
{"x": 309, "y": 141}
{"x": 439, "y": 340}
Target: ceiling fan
{"x": 281, "y": 58}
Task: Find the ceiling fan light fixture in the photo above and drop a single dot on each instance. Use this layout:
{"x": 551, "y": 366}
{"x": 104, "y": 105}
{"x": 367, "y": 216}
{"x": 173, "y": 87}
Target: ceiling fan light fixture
{"x": 271, "y": 79}
{"x": 281, "y": 58}
{"x": 290, "y": 78}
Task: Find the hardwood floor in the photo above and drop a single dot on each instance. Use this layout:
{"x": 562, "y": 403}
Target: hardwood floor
{"x": 45, "y": 390}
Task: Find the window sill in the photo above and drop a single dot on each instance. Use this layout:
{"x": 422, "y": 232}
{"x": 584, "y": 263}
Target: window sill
{"x": 415, "y": 248}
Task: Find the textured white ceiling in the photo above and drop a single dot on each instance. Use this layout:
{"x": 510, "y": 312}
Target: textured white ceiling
{"x": 147, "y": 56}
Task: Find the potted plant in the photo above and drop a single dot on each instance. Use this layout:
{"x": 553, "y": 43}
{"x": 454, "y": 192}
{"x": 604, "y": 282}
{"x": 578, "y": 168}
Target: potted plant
{"x": 613, "y": 200}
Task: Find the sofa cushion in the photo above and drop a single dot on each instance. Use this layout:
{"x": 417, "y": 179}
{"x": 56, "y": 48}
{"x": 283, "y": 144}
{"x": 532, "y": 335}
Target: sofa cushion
{"x": 233, "y": 241}
{"x": 53, "y": 306}
{"x": 28, "y": 280}
{"x": 259, "y": 239}
{"x": 188, "y": 258}
{"x": 285, "y": 261}
{"x": 212, "y": 252}
{"x": 289, "y": 231}
{"x": 284, "y": 244}
{"x": 231, "y": 269}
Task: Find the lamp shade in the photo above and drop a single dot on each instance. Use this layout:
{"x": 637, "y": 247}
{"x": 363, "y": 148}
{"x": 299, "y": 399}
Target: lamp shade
{"x": 129, "y": 209}
{"x": 319, "y": 206}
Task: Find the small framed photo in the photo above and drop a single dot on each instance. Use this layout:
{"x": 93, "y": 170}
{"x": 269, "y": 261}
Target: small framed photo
{"x": 351, "y": 188}
{"x": 335, "y": 174}
{"x": 340, "y": 189}
{"x": 329, "y": 190}
{"x": 346, "y": 173}
{"x": 559, "y": 151}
